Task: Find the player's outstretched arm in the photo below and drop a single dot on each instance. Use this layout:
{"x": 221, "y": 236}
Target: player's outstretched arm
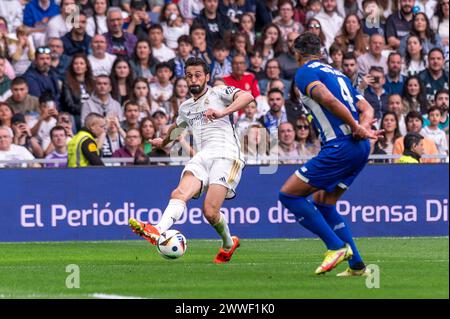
{"x": 171, "y": 136}
{"x": 241, "y": 100}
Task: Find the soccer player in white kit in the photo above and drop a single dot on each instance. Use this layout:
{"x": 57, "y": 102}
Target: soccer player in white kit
{"x": 217, "y": 166}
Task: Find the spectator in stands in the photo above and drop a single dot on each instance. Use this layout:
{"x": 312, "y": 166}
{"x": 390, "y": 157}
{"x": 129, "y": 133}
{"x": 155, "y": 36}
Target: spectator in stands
{"x": 120, "y": 43}
{"x": 270, "y": 43}
{"x": 272, "y": 119}
{"x": 78, "y": 86}
{"x": 314, "y": 25}
{"x": 12, "y": 11}
{"x": 233, "y": 9}
{"x": 264, "y": 13}
{"x": 218, "y": 25}
{"x": 132, "y": 145}
{"x": 240, "y": 44}
{"x": 161, "y": 90}
{"x": 59, "y": 62}
{"x": 391, "y": 132}
{"x": 433, "y": 132}
{"x": 414, "y": 123}
{"x": 38, "y": 78}
{"x": 399, "y": 23}
{"x": 96, "y": 24}
{"x": 77, "y": 40}
{"x": 180, "y": 94}
{"x": 287, "y": 60}
{"x": 190, "y": 9}
{"x": 372, "y": 20}
{"x": 287, "y": 145}
{"x": 141, "y": 94}
{"x": 285, "y": 21}
{"x": 441, "y": 101}
{"x": 10, "y": 151}
{"x": 36, "y": 16}
{"x": 201, "y": 49}
{"x": 48, "y": 115}
{"x": 221, "y": 65}
{"x": 100, "y": 60}
{"x": 375, "y": 94}
{"x": 247, "y": 26}
{"x": 5, "y": 82}
{"x": 23, "y": 136}
{"x": 82, "y": 149}
{"x": 240, "y": 78}
{"x": 148, "y": 131}
{"x": 395, "y": 105}
{"x": 421, "y": 28}
{"x": 21, "y": 51}
{"x": 394, "y": 79}
{"x": 6, "y": 114}
{"x": 20, "y": 101}
{"x": 414, "y": 95}
{"x": 262, "y": 100}
{"x": 131, "y": 116}
{"x": 374, "y": 57}
{"x": 308, "y": 144}
{"x": 350, "y": 69}
{"x": 273, "y": 72}
{"x": 352, "y": 37}
{"x": 336, "y": 56}
{"x": 414, "y": 61}
{"x": 185, "y": 49}
{"x": 159, "y": 49}
{"x": 173, "y": 24}
{"x": 300, "y": 11}
{"x": 122, "y": 77}
{"x": 115, "y": 137}
{"x": 139, "y": 19}
{"x": 255, "y": 67}
{"x": 65, "y": 120}
{"x": 161, "y": 119}
{"x": 4, "y": 38}
{"x": 58, "y": 137}
{"x": 414, "y": 148}
{"x": 330, "y": 20}
{"x": 245, "y": 120}
{"x": 143, "y": 62}
{"x": 62, "y": 23}
{"x": 434, "y": 77}
{"x": 255, "y": 144}
{"x": 101, "y": 101}
{"x": 440, "y": 21}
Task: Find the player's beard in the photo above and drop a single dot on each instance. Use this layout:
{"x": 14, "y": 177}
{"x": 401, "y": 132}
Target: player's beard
{"x": 197, "y": 89}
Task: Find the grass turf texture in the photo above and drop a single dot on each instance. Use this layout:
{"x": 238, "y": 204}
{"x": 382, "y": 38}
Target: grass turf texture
{"x": 281, "y": 268}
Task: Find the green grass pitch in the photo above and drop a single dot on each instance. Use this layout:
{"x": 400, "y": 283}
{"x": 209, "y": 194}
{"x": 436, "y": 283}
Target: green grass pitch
{"x": 272, "y": 269}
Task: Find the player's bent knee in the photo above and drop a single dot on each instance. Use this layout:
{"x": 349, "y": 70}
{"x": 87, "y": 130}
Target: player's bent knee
{"x": 211, "y": 212}
{"x": 178, "y": 193}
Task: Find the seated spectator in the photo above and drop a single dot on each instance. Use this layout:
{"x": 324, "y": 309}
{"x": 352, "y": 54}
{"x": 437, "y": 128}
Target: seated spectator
{"x": 173, "y": 24}
{"x": 221, "y": 65}
{"x": 262, "y": 101}
{"x": 46, "y": 121}
{"x": 24, "y": 137}
{"x": 352, "y": 37}
{"x": 375, "y": 94}
{"x": 414, "y": 61}
{"x": 434, "y": 77}
{"x": 414, "y": 123}
{"x": 119, "y": 42}
{"x": 78, "y": 86}
{"x": 143, "y": 62}
{"x": 100, "y": 60}
{"x": 394, "y": 79}
{"x": 374, "y": 56}
{"x": 161, "y": 91}
{"x": 441, "y": 100}
{"x": 36, "y": 16}
{"x": 59, "y": 62}
{"x": 308, "y": 144}
{"x": 10, "y": 151}
{"x": 141, "y": 94}
{"x": 336, "y": 56}
{"x": 287, "y": 145}
{"x": 101, "y": 101}
{"x": 20, "y": 101}
{"x": 433, "y": 132}
{"x": 148, "y": 131}
{"x": 114, "y": 138}
{"x": 440, "y": 21}
{"x": 122, "y": 77}
{"x": 330, "y": 20}
{"x": 58, "y": 138}
{"x": 255, "y": 144}
{"x": 272, "y": 119}
{"x": 372, "y": 21}
{"x": 131, "y": 115}
{"x": 287, "y": 60}
{"x": 313, "y": 25}
{"x": 21, "y": 51}
{"x": 96, "y": 24}
{"x": 240, "y": 44}
{"x": 77, "y": 40}
{"x": 160, "y": 51}
{"x": 395, "y": 105}
{"x": 245, "y": 120}
{"x": 185, "y": 49}
{"x": 414, "y": 95}
{"x": 391, "y": 132}
{"x": 59, "y": 25}
{"x": 161, "y": 119}
{"x": 255, "y": 58}
{"x": 241, "y": 79}
{"x": 247, "y": 26}
{"x": 350, "y": 69}
{"x": 180, "y": 94}
{"x": 285, "y": 21}
{"x": 5, "y": 82}
{"x": 37, "y": 76}
{"x": 421, "y": 28}
{"x": 270, "y": 44}
{"x": 399, "y": 23}
{"x": 414, "y": 149}
{"x": 65, "y": 120}
{"x": 139, "y": 19}
{"x": 6, "y": 114}
{"x": 201, "y": 49}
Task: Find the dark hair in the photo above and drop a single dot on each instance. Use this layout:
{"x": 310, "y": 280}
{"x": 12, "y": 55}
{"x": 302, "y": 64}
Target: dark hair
{"x": 57, "y": 128}
{"x": 196, "y": 26}
{"x": 219, "y": 45}
{"x": 397, "y": 134}
{"x": 308, "y": 44}
{"x": 349, "y": 56}
{"x": 411, "y": 139}
{"x": 154, "y": 27}
{"x": 434, "y": 108}
{"x": 421, "y": 98}
{"x": 141, "y": 126}
{"x": 46, "y": 97}
{"x": 429, "y": 33}
{"x": 436, "y": 49}
{"x": 322, "y": 35}
{"x": 115, "y": 92}
{"x": 392, "y": 54}
{"x": 439, "y": 92}
{"x": 376, "y": 69}
{"x": 151, "y": 59}
{"x": 94, "y": 15}
{"x": 439, "y": 12}
{"x": 275, "y": 90}
{"x": 162, "y": 16}
{"x": 278, "y": 46}
{"x": 72, "y": 81}
{"x": 413, "y": 115}
{"x": 408, "y": 55}
{"x": 162, "y": 65}
{"x": 19, "y": 80}
{"x": 184, "y": 39}
{"x": 128, "y": 103}
{"x": 194, "y": 61}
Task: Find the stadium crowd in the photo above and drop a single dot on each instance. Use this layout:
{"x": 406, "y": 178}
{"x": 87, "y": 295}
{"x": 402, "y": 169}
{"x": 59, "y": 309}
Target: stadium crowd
{"x": 124, "y": 59}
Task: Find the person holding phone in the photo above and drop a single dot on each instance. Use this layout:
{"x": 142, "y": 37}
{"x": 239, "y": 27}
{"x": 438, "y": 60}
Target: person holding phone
{"x": 375, "y": 94}
{"x": 46, "y": 121}
{"x": 23, "y": 136}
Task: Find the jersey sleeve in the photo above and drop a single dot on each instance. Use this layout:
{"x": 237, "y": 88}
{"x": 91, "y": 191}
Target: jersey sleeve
{"x": 181, "y": 119}
{"x": 306, "y": 80}
{"x": 226, "y": 93}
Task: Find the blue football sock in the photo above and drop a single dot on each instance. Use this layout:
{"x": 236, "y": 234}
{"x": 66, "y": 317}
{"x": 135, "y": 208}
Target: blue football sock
{"x": 337, "y": 223}
{"x": 310, "y": 218}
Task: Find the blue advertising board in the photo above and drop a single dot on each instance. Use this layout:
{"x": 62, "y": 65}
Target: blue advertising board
{"x": 95, "y": 203}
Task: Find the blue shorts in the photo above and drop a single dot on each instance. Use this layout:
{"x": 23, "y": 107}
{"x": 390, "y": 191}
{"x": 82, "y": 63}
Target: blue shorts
{"x": 337, "y": 164}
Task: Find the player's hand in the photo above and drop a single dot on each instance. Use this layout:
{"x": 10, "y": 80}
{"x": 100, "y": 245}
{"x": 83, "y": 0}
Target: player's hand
{"x": 361, "y": 133}
{"x": 212, "y": 115}
{"x": 156, "y": 142}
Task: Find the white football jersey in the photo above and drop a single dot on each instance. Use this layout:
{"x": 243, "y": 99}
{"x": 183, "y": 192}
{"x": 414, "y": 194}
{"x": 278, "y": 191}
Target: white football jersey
{"x": 217, "y": 138}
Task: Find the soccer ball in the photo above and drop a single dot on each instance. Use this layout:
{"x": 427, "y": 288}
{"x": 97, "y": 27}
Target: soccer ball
{"x": 172, "y": 244}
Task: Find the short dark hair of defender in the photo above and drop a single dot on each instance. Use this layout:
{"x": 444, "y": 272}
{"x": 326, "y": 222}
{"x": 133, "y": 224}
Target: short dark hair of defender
{"x": 197, "y": 62}
{"x": 411, "y": 139}
{"x": 308, "y": 44}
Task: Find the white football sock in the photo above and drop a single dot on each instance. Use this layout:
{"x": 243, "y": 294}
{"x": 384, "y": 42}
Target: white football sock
{"x": 222, "y": 229}
{"x": 173, "y": 212}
